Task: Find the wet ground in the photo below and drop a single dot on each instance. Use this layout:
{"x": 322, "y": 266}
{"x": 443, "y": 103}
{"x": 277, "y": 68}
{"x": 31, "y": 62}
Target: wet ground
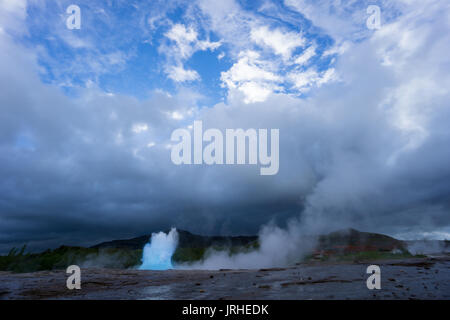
{"x": 425, "y": 278}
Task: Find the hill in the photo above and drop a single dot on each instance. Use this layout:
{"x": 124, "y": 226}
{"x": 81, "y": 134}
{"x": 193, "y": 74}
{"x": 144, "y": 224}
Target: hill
{"x": 351, "y": 240}
{"x": 127, "y": 253}
{"x": 185, "y": 240}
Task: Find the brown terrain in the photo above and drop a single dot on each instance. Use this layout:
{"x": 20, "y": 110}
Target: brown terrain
{"x": 418, "y": 278}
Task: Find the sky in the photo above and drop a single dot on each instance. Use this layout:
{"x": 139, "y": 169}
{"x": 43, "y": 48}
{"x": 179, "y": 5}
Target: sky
{"x": 87, "y": 115}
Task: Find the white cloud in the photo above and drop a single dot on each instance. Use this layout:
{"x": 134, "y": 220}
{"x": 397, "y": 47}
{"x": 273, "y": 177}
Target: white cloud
{"x": 184, "y": 38}
{"x": 280, "y": 41}
{"x": 248, "y": 68}
{"x": 176, "y": 115}
{"x": 227, "y": 19}
{"x": 14, "y": 6}
{"x": 70, "y": 38}
{"x": 305, "y": 56}
{"x": 255, "y": 92}
{"x": 338, "y": 49}
{"x": 12, "y": 15}
{"x": 208, "y": 45}
{"x": 179, "y": 74}
{"x": 303, "y": 81}
{"x": 250, "y": 76}
{"x": 186, "y": 44}
{"x": 139, "y": 127}
{"x": 257, "y": 78}
{"x": 269, "y": 62}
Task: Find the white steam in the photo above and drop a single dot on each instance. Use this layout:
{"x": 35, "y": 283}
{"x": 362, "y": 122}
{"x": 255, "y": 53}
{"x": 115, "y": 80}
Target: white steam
{"x": 427, "y": 247}
{"x": 277, "y": 248}
{"x": 158, "y": 252}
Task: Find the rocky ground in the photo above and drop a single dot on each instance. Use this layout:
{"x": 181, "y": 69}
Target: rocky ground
{"x": 424, "y": 278}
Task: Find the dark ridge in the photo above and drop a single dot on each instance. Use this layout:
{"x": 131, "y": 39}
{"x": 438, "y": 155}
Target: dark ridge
{"x": 185, "y": 240}
{"x": 123, "y": 254}
{"x": 354, "y": 240}
{"x": 342, "y": 240}
{"x": 132, "y": 244}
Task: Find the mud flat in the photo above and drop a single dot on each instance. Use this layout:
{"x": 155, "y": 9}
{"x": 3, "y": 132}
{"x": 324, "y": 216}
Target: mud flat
{"x": 424, "y": 278}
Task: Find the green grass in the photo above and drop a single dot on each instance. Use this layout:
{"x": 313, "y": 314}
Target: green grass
{"x": 182, "y": 255}
{"x": 62, "y": 257}
{"x": 19, "y": 261}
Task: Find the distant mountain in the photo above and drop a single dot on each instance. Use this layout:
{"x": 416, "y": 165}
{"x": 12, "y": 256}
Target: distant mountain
{"x": 132, "y": 244}
{"x": 342, "y": 240}
{"x": 351, "y": 240}
{"x": 185, "y": 240}
{"x": 123, "y": 254}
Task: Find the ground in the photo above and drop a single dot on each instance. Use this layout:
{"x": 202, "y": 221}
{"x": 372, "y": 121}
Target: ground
{"x": 413, "y": 278}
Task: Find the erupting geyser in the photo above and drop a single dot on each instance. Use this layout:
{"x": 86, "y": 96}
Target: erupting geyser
{"x": 158, "y": 252}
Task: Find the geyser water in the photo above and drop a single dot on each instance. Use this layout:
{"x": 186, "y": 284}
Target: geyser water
{"x": 158, "y": 252}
